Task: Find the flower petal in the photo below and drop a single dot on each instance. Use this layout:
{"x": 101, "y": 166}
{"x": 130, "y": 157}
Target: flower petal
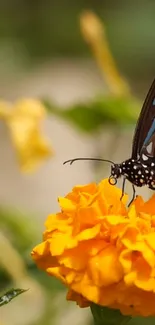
{"x": 101, "y": 250}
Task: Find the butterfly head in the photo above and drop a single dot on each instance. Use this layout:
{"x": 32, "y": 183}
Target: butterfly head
{"x": 116, "y": 172}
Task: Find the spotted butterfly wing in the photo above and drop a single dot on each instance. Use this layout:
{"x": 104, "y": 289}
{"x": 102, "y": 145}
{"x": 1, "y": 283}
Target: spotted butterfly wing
{"x": 144, "y": 138}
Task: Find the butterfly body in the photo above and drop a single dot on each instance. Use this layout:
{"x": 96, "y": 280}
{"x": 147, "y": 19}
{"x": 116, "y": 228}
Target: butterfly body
{"x": 135, "y": 172}
{"x": 140, "y": 168}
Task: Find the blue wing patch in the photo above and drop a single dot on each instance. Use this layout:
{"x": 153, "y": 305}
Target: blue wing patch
{"x": 151, "y": 131}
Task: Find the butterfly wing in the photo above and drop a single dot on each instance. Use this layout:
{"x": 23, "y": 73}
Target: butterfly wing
{"x": 145, "y": 128}
{"x": 147, "y": 154}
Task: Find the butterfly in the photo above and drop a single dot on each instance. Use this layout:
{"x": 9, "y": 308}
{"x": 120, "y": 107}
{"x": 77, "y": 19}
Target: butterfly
{"x": 140, "y": 168}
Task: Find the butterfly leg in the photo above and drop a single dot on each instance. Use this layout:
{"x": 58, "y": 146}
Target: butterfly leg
{"x": 133, "y": 196}
{"x": 123, "y": 188}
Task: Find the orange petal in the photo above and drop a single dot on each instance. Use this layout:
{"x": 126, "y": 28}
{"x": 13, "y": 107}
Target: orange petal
{"x": 105, "y": 269}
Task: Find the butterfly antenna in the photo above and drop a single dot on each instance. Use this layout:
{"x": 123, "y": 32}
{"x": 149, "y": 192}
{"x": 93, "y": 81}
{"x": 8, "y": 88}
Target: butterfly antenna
{"x": 71, "y": 161}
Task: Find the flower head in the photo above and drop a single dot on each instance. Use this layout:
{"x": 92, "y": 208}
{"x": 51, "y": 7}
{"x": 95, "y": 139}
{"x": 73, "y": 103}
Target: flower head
{"x": 101, "y": 250}
{"x": 23, "y": 120}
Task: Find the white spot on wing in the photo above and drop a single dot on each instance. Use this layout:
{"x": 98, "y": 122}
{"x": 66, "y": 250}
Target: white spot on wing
{"x": 149, "y": 147}
{"x": 144, "y": 157}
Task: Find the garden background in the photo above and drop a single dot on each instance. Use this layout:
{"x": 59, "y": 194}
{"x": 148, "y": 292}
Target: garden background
{"x": 46, "y": 54}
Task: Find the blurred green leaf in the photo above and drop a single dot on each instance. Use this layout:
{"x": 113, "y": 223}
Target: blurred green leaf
{"x": 142, "y": 321}
{"x": 107, "y": 316}
{"x": 90, "y": 117}
{"x": 120, "y": 110}
{"x": 9, "y": 295}
{"x": 104, "y": 315}
{"x": 81, "y": 115}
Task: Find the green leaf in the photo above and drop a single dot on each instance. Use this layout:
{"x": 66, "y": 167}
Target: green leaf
{"x": 93, "y": 115}
{"x": 118, "y": 109}
{"x": 107, "y": 316}
{"x": 142, "y": 321}
{"x": 9, "y": 295}
{"x": 81, "y": 115}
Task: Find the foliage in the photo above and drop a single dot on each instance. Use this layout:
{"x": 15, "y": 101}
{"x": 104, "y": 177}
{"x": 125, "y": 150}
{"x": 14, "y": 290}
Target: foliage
{"x": 103, "y": 110}
{"x": 103, "y": 315}
{"x": 9, "y": 295}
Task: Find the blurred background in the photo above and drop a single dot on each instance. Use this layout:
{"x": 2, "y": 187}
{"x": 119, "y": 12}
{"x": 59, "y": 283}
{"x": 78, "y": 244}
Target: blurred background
{"x": 46, "y": 54}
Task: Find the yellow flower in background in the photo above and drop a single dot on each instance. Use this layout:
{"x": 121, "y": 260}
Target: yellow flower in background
{"x": 23, "y": 119}
{"x": 101, "y": 250}
{"x": 93, "y": 31}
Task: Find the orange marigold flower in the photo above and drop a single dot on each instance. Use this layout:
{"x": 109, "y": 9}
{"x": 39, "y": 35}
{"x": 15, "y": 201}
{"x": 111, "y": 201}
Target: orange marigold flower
{"x": 101, "y": 250}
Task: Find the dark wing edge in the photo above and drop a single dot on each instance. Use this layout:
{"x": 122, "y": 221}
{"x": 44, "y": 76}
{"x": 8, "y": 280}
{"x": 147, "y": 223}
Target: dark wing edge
{"x": 144, "y": 122}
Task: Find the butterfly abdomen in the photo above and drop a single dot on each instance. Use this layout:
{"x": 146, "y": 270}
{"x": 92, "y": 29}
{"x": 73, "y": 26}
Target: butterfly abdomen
{"x": 139, "y": 174}
{"x": 151, "y": 177}
{"x": 134, "y": 172}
